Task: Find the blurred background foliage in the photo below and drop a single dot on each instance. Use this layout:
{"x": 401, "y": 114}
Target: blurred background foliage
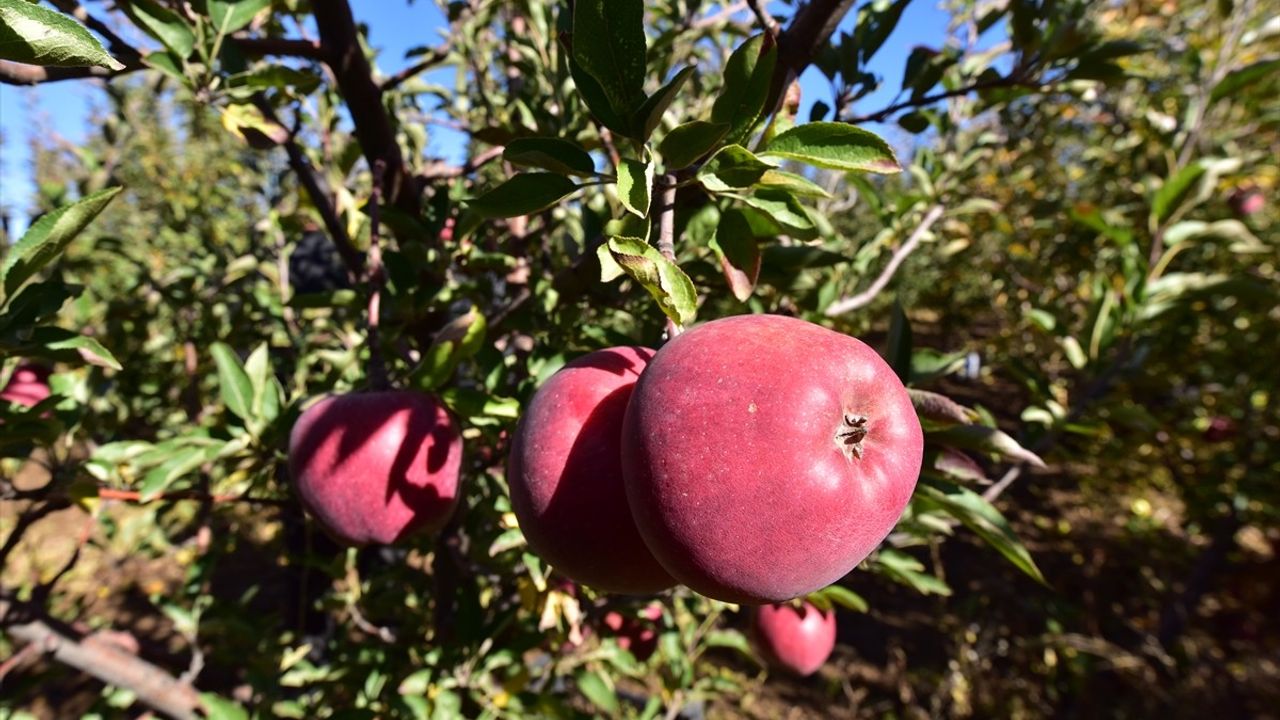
{"x": 1086, "y": 231}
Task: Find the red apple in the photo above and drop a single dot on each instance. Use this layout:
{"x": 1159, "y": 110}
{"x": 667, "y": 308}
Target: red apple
{"x": 28, "y": 385}
{"x": 639, "y": 638}
{"x": 766, "y": 456}
{"x": 565, "y": 473}
{"x": 796, "y": 640}
{"x": 1246, "y": 201}
{"x": 375, "y": 467}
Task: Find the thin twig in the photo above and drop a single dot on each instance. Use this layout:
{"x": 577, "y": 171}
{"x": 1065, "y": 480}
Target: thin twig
{"x": 375, "y": 278}
{"x": 883, "y": 114}
{"x": 445, "y": 171}
{"x": 763, "y": 17}
{"x": 16, "y": 73}
{"x": 723, "y": 14}
{"x": 865, "y": 297}
{"x": 317, "y": 189}
{"x": 135, "y": 496}
{"x": 665, "y": 188}
{"x": 431, "y": 59}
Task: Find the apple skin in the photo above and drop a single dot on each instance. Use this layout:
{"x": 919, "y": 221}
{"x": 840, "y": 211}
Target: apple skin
{"x": 796, "y": 640}
{"x": 375, "y": 467}
{"x": 28, "y": 385}
{"x": 565, "y": 473}
{"x": 735, "y": 471}
{"x": 1220, "y": 429}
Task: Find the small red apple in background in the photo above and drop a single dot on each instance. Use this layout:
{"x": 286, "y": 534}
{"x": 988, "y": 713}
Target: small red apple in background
{"x": 1220, "y": 429}
{"x": 766, "y": 456}
{"x": 375, "y": 467}
{"x": 565, "y": 473}
{"x": 1246, "y": 201}
{"x": 798, "y": 640}
{"x": 28, "y": 385}
{"x": 640, "y": 639}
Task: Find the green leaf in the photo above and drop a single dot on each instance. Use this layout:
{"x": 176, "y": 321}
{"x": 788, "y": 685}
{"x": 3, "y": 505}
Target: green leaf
{"x": 233, "y": 381}
{"x": 844, "y": 597}
{"x": 898, "y": 349}
{"x": 835, "y": 146}
{"x": 733, "y": 166}
{"x": 216, "y": 708}
{"x": 792, "y": 183}
{"x": 731, "y": 639}
{"x": 609, "y": 43}
{"x": 163, "y": 24}
{"x": 49, "y": 236}
{"x": 651, "y": 112}
{"x": 523, "y": 194}
{"x": 34, "y": 304}
{"x": 907, "y": 570}
{"x": 747, "y": 76}
{"x": 458, "y": 340}
{"x": 59, "y": 344}
{"x": 546, "y": 153}
{"x": 876, "y": 21}
{"x": 597, "y": 102}
{"x": 939, "y": 408}
{"x": 785, "y": 211}
{"x": 594, "y": 687}
{"x": 1189, "y": 230}
{"x": 228, "y": 17}
{"x": 1175, "y": 189}
{"x": 185, "y": 460}
{"x": 635, "y": 179}
{"x": 272, "y": 77}
{"x": 985, "y": 439}
{"x": 39, "y": 36}
{"x": 738, "y": 252}
{"x": 686, "y": 143}
{"x": 1237, "y": 80}
{"x": 267, "y": 393}
{"x": 981, "y": 517}
{"x": 664, "y": 280}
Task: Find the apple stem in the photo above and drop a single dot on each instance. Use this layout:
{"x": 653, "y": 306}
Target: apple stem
{"x": 852, "y": 432}
{"x": 375, "y": 277}
{"x": 667, "y": 230}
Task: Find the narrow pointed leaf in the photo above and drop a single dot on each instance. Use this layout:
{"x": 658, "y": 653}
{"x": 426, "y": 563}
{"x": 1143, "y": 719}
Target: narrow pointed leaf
{"x": 37, "y": 35}
{"x": 553, "y": 154}
{"x": 747, "y": 76}
{"x": 651, "y": 112}
{"x": 835, "y": 146}
{"x": 49, "y": 236}
{"x": 522, "y": 195}
{"x": 233, "y": 381}
{"x": 686, "y": 143}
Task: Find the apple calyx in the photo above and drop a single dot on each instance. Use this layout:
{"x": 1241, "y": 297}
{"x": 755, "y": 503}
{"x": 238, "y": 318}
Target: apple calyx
{"x": 851, "y": 433}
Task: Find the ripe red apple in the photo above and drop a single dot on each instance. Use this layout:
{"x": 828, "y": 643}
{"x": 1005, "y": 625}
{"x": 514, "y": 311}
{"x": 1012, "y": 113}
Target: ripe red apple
{"x": 565, "y": 473}
{"x": 374, "y": 467}
{"x": 796, "y": 640}
{"x": 1246, "y": 201}
{"x": 766, "y": 456}
{"x": 640, "y": 638}
{"x": 28, "y": 385}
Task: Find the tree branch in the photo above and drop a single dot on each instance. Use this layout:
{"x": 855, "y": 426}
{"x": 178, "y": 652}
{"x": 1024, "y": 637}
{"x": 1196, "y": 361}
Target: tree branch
{"x": 666, "y": 187}
{"x": 16, "y": 73}
{"x": 152, "y": 685}
{"x": 883, "y": 114}
{"x": 763, "y": 17}
{"x": 288, "y": 47}
{"x": 865, "y": 297}
{"x": 344, "y": 54}
{"x": 317, "y": 188}
{"x": 809, "y": 29}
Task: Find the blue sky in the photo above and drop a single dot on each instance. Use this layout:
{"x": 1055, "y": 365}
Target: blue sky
{"x": 395, "y": 27}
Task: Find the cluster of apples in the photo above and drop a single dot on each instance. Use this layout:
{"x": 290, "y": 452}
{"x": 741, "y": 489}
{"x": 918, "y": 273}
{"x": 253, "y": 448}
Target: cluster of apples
{"x": 754, "y": 459}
